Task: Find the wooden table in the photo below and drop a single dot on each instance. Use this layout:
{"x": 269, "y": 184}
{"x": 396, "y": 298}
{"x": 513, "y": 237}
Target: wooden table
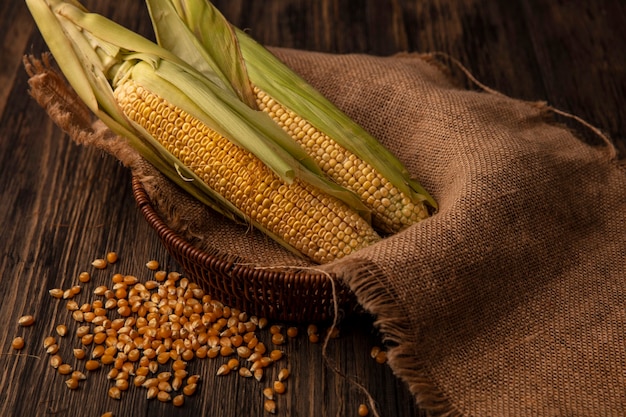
{"x": 61, "y": 205}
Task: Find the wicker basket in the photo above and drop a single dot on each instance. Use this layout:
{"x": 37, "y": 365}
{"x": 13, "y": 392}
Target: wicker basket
{"x": 299, "y": 297}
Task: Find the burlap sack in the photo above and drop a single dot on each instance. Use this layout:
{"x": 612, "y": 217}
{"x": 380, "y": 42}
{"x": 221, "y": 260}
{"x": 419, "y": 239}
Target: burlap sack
{"x": 511, "y": 300}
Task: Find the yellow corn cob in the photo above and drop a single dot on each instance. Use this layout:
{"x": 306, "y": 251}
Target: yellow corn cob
{"x": 318, "y": 225}
{"x": 392, "y": 210}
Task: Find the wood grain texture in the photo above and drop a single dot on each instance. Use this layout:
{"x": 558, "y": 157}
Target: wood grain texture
{"x": 62, "y": 205}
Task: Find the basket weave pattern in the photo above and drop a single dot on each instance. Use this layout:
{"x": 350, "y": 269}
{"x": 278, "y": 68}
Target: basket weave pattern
{"x": 299, "y": 296}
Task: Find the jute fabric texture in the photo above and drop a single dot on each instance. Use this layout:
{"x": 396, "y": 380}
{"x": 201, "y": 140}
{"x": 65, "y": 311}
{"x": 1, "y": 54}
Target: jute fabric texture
{"x": 511, "y": 299}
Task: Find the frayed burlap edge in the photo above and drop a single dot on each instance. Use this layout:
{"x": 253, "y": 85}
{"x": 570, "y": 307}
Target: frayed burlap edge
{"x": 401, "y": 342}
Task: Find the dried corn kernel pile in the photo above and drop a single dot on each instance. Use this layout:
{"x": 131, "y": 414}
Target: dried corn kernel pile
{"x": 146, "y": 333}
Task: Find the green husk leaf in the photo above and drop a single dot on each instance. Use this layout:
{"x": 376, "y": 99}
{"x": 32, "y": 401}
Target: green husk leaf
{"x": 220, "y": 56}
{"x": 284, "y": 85}
{"x": 275, "y": 78}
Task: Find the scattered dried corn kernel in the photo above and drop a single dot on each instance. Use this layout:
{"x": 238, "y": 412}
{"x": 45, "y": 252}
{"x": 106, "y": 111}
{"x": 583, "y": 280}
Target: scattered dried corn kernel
{"x": 61, "y": 330}
{"x": 56, "y": 292}
{"x": 283, "y": 374}
{"x": 18, "y": 343}
{"x": 99, "y": 263}
{"x": 270, "y": 406}
{"x": 279, "y": 387}
{"x": 292, "y": 332}
{"x": 56, "y": 361}
{"x": 26, "y": 321}
{"x": 178, "y": 400}
{"x": 115, "y": 393}
{"x": 65, "y": 369}
{"x": 111, "y": 257}
{"x": 52, "y": 349}
{"x": 152, "y": 265}
{"x": 164, "y": 396}
{"x": 363, "y": 410}
{"x": 381, "y": 357}
{"x": 72, "y": 383}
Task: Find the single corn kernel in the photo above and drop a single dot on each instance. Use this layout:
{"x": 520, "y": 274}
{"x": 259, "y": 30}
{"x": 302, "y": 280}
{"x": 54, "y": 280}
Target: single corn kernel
{"x": 78, "y": 316}
{"x": 99, "y": 263}
{"x": 258, "y": 374}
{"x": 72, "y": 383}
{"x": 152, "y": 265}
{"x": 84, "y": 277}
{"x": 275, "y": 329}
{"x": 92, "y": 365}
{"x": 381, "y": 357}
{"x": 79, "y": 353}
{"x": 164, "y": 396}
{"x": 56, "y": 361}
{"x": 18, "y": 343}
{"x": 374, "y": 351}
{"x": 292, "y": 332}
{"x": 178, "y": 400}
{"x": 283, "y": 374}
{"x": 122, "y": 384}
{"x": 65, "y": 369}
{"x": 177, "y": 383}
{"x": 100, "y": 290}
{"x": 26, "y": 321}
{"x": 276, "y": 355}
{"x": 268, "y": 393}
{"x": 278, "y": 339}
{"x": 61, "y": 330}
{"x": 152, "y": 392}
{"x": 115, "y": 393}
{"x": 363, "y": 410}
{"x": 111, "y": 257}
{"x": 189, "y": 389}
{"x": 279, "y": 387}
{"x": 233, "y": 364}
{"x": 56, "y": 292}
{"x": 79, "y": 376}
{"x": 223, "y": 370}
{"x": 107, "y": 414}
{"x": 270, "y": 406}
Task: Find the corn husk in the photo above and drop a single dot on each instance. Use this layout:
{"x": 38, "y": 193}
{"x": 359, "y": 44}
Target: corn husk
{"x": 220, "y": 45}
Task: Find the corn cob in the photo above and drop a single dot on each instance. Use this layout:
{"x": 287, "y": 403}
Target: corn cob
{"x": 342, "y": 149}
{"x": 317, "y": 225}
{"x": 200, "y": 135}
{"x": 392, "y": 210}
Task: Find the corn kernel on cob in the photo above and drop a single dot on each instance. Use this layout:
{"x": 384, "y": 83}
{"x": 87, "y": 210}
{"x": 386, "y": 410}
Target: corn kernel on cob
{"x": 342, "y": 149}
{"x": 392, "y": 210}
{"x": 317, "y": 225}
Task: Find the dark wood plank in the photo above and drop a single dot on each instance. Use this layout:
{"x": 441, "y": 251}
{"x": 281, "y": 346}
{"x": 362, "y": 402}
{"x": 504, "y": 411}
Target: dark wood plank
{"x": 62, "y": 205}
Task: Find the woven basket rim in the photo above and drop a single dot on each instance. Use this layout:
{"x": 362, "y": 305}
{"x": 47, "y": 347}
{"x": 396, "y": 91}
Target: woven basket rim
{"x": 297, "y": 296}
